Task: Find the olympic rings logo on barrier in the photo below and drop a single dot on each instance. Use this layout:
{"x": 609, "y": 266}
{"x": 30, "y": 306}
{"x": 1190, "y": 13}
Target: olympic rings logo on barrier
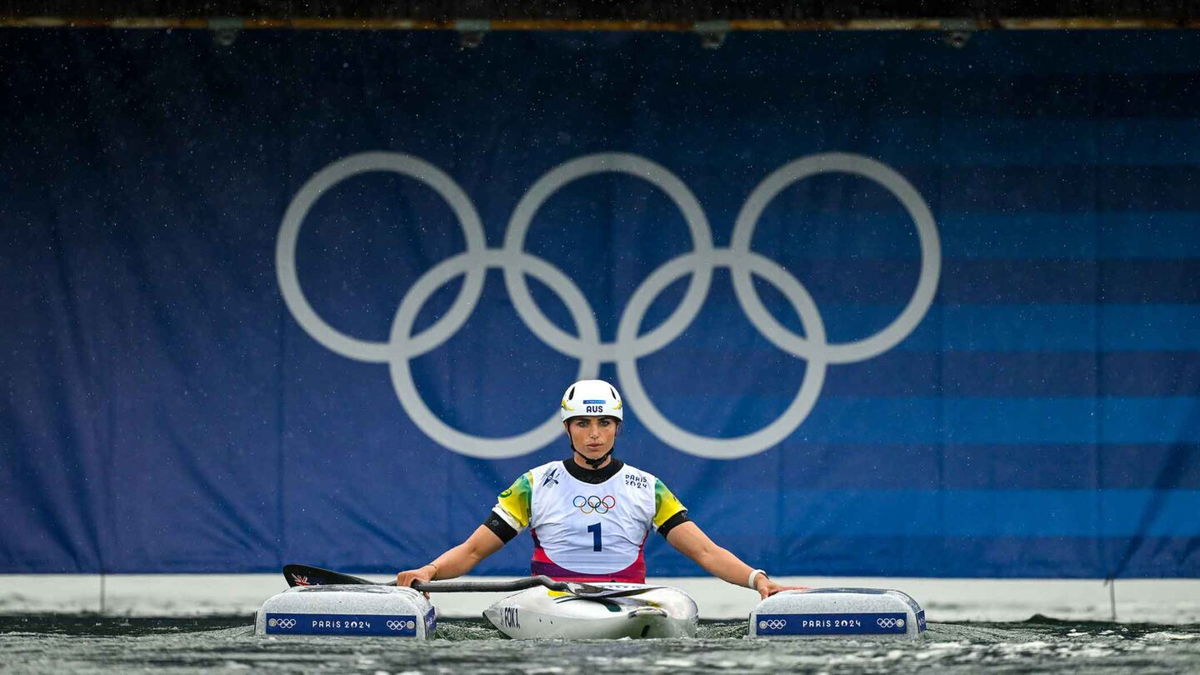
{"x": 395, "y": 625}
{"x": 629, "y": 346}
{"x": 285, "y": 624}
{"x": 772, "y": 624}
{"x": 887, "y": 622}
{"x": 600, "y": 505}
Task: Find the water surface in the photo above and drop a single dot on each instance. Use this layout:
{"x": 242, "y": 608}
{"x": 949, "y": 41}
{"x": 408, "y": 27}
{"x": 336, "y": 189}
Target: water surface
{"x": 99, "y": 644}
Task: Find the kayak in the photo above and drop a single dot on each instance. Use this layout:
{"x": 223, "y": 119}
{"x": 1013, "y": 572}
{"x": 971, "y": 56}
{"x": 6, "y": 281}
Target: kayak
{"x": 626, "y": 611}
{"x": 874, "y": 613}
{"x": 322, "y": 602}
{"x": 339, "y": 609}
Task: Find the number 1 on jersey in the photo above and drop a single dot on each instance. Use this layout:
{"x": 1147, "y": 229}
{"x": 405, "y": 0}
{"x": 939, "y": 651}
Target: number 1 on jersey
{"x": 595, "y": 530}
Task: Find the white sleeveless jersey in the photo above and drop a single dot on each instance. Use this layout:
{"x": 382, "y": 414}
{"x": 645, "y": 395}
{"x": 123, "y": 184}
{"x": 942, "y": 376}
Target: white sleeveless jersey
{"x": 585, "y": 528}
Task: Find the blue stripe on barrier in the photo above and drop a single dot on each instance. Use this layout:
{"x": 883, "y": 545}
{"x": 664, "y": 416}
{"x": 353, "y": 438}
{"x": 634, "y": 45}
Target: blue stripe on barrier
{"x": 1153, "y": 327}
{"x": 401, "y": 625}
{"x": 1020, "y": 238}
{"x": 873, "y": 292}
{"x": 981, "y": 190}
{"x": 899, "y": 373}
{"x": 959, "y": 142}
{"x": 991, "y": 327}
{"x": 1008, "y": 374}
{"x": 1071, "y": 189}
{"x": 1015, "y": 374}
{"x": 891, "y": 421}
{"x": 996, "y": 420}
{"x": 1030, "y": 235}
{"x": 972, "y": 557}
{"x": 854, "y": 280}
{"x": 957, "y": 556}
{"x": 968, "y": 143}
{"x": 826, "y": 466}
{"x": 979, "y": 513}
{"x": 873, "y": 623}
{"x": 1018, "y": 58}
{"x": 1033, "y": 282}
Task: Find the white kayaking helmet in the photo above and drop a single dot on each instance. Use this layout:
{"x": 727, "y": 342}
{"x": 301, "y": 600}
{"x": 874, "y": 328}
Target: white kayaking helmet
{"x": 591, "y": 397}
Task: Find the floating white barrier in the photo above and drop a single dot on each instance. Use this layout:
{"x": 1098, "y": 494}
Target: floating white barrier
{"x": 645, "y": 612}
{"x": 826, "y": 612}
{"x": 347, "y": 610}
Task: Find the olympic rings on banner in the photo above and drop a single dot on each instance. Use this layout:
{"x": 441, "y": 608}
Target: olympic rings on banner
{"x": 592, "y": 503}
{"x": 772, "y": 624}
{"x": 630, "y": 345}
{"x": 888, "y": 622}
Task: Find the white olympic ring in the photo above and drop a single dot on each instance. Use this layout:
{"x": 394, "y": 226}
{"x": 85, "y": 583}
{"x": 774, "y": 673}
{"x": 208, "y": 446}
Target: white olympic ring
{"x": 472, "y": 264}
{"x": 773, "y": 624}
{"x": 395, "y": 625}
{"x": 887, "y": 622}
{"x": 287, "y": 623}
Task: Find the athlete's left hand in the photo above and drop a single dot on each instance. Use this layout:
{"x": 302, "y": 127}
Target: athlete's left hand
{"x": 766, "y": 588}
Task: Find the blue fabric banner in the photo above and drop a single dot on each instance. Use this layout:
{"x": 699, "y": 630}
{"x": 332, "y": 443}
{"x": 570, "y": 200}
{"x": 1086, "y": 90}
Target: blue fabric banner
{"x": 877, "y": 305}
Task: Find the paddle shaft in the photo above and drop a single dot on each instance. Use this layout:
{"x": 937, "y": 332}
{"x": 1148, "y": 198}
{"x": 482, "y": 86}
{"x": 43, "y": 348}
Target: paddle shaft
{"x": 307, "y": 575}
{"x": 452, "y": 586}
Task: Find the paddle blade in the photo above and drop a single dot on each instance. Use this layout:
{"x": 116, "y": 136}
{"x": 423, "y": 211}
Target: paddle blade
{"x": 307, "y": 575}
{"x": 596, "y": 592}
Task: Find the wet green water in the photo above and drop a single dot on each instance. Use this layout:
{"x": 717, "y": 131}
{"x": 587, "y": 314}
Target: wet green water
{"x": 93, "y": 644}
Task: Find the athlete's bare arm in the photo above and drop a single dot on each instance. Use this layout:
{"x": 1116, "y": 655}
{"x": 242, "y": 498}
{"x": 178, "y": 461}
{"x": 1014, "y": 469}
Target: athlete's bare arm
{"x": 457, "y": 561}
{"x": 691, "y": 541}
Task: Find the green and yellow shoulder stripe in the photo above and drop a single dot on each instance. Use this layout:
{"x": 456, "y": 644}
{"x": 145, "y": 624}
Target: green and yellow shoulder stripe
{"x": 514, "y": 503}
{"x": 666, "y": 504}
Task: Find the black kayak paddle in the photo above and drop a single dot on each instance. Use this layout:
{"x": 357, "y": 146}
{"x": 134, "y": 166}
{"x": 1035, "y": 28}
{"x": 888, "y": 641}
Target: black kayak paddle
{"x": 307, "y": 575}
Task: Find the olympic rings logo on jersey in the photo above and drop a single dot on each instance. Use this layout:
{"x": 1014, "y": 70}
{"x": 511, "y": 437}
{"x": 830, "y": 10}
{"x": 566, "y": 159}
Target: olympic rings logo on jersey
{"x": 592, "y": 503}
{"x": 629, "y": 346}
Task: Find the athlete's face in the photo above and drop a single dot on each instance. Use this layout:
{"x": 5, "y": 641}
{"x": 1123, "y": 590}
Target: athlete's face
{"x": 593, "y": 436}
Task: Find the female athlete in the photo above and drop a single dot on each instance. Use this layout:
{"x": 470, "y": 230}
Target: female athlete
{"x": 589, "y": 515}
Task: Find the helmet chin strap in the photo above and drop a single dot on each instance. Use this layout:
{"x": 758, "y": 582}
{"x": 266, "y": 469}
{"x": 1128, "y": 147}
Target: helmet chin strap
{"x": 594, "y": 463}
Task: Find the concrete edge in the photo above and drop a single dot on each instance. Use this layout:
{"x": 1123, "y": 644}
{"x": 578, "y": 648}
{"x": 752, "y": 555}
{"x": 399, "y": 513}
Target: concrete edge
{"x": 1165, "y": 601}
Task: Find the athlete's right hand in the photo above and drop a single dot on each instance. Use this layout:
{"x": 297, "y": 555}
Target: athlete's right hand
{"x": 407, "y": 577}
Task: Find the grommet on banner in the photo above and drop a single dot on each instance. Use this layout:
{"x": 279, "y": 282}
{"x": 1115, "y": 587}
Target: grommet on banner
{"x": 958, "y": 32}
{"x": 712, "y": 33}
{"x": 225, "y": 30}
{"x": 470, "y": 32}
